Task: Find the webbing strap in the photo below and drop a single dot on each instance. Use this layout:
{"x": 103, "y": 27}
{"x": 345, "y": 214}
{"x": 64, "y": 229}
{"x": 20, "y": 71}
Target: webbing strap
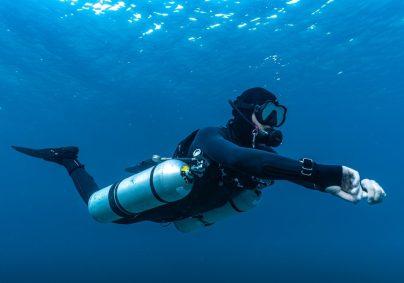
{"x": 116, "y": 207}
{"x": 234, "y": 206}
{"x": 153, "y": 188}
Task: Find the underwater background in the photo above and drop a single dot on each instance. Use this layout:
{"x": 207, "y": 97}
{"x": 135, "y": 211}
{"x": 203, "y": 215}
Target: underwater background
{"x": 127, "y": 79}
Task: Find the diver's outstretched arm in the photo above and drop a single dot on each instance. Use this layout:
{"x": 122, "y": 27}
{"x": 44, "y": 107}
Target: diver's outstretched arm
{"x": 68, "y": 158}
{"x": 340, "y": 181}
{"x": 264, "y": 164}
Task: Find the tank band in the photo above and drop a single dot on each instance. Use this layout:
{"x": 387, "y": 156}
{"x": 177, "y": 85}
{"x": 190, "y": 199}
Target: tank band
{"x": 153, "y": 188}
{"x": 116, "y": 207}
{"x": 234, "y": 206}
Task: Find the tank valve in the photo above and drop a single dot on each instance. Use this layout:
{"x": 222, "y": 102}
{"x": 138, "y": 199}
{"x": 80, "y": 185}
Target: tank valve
{"x": 197, "y": 162}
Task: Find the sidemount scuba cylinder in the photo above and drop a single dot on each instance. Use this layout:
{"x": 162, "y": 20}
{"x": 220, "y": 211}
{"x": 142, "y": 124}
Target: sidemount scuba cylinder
{"x": 244, "y": 201}
{"x": 168, "y": 181}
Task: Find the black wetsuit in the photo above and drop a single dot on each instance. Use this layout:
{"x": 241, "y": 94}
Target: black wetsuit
{"x": 234, "y": 167}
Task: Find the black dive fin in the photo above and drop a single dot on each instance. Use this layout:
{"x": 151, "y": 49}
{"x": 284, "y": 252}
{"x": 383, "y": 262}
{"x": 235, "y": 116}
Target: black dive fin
{"x": 50, "y": 154}
{"x": 145, "y": 164}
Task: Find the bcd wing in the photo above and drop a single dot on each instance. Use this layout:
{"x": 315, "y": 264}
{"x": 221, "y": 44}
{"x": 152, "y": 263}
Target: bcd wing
{"x": 141, "y": 166}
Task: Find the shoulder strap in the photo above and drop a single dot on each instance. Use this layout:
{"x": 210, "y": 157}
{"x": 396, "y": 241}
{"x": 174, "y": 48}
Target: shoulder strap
{"x": 183, "y": 146}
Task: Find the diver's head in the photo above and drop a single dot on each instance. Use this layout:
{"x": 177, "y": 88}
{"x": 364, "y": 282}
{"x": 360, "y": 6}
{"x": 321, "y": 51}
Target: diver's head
{"x": 257, "y": 113}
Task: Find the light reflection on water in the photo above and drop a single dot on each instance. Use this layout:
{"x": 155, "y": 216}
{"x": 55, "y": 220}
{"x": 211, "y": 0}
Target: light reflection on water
{"x": 208, "y": 15}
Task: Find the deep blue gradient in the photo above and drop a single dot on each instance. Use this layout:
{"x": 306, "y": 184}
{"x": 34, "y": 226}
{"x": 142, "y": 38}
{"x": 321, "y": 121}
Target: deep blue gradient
{"x": 102, "y": 81}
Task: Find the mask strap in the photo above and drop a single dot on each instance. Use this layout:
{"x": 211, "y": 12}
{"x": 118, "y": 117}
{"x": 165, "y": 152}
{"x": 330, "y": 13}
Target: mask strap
{"x": 241, "y": 113}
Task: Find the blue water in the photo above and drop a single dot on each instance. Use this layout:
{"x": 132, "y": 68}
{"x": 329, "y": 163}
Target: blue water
{"x": 124, "y": 82}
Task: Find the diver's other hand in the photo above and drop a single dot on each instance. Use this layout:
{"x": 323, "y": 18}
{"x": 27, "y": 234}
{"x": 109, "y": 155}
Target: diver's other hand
{"x": 373, "y": 191}
{"x": 350, "y": 189}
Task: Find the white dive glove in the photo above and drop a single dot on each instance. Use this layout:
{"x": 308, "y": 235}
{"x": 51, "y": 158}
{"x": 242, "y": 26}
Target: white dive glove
{"x": 353, "y": 189}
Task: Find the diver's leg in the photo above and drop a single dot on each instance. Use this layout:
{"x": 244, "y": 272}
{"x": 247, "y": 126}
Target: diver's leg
{"x": 83, "y": 181}
{"x": 67, "y": 157}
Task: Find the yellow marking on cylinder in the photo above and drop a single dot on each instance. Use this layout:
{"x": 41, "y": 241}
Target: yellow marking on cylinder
{"x": 185, "y": 169}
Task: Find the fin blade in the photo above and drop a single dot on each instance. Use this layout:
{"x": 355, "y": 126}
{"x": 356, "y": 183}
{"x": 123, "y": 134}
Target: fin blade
{"x": 28, "y": 151}
{"x": 50, "y": 154}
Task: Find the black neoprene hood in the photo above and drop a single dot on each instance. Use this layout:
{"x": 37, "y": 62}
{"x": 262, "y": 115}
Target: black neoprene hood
{"x": 254, "y": 96}
{"x": 239, "y": 126}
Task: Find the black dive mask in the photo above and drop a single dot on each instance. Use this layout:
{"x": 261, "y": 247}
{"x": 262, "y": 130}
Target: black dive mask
{"x": 271, "y": 137}
{"x": 271, "y": 113}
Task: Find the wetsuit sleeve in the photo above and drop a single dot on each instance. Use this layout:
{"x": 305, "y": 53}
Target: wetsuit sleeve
{"x": 264, "y": 164}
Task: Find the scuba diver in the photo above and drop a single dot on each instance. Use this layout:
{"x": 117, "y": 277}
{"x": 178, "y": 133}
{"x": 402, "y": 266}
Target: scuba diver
{"x": 214, "y": 172}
